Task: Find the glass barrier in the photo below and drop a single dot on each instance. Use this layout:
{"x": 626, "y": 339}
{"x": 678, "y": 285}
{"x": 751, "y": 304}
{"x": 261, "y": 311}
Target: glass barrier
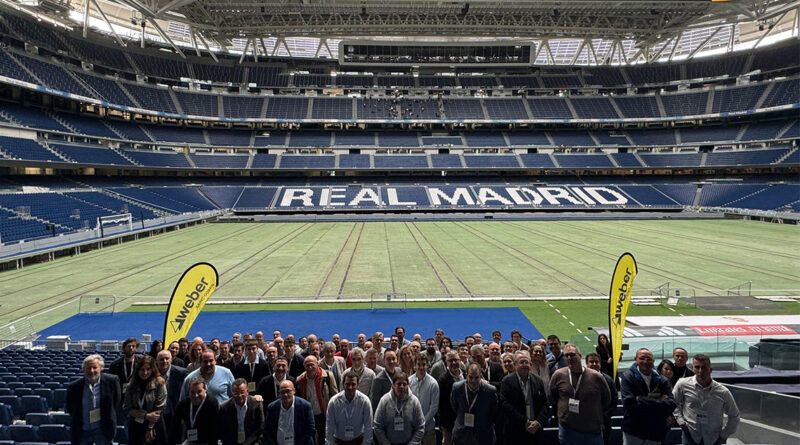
{"x": 768, "y": 408}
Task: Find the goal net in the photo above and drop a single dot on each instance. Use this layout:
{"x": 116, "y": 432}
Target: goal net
{"x": 114, "y": 223}
{"x": 388, "y": 300}
{"x": 95, "y": 304}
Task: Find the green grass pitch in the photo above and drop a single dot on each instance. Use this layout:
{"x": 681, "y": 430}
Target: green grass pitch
{"x": 511, "y": 259}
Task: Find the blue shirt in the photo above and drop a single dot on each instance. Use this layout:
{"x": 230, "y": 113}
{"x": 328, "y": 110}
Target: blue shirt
{"x": 219, "y": 386}
{"x": 91, "y": 400}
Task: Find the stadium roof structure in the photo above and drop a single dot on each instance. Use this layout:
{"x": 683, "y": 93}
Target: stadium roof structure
{"x": 566, "y": 32}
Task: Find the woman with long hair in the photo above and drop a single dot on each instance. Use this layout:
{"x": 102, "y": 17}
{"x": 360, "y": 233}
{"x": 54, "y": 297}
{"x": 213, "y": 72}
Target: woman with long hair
{"x": 145, "y": 398}
{"x": 196, "y": 350}
{"x": 539, "y": 366}
{"x": 155, "y": 347}
{"x": 406, "y": 359}
{"x": 666, "y": 368}
{"x": 604, "y": 351}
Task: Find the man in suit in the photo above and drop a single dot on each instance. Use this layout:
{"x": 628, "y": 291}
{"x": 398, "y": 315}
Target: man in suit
{"x": 268, "y": 386}
{"x": 173, "y": 378}
{"x": 197, "y": 414}
{"x": 290, "y": 417}
{"x": 447, "y": 415}
{"x": 492, "y": 372}
{"x": 252, "y": 368}
{"x": 524, "y": 402}
{"x": 241, "y": 418}
{"x": 474, "y": 402}
{"x": 92, "y": 402}
{"x": 123, "y": 366}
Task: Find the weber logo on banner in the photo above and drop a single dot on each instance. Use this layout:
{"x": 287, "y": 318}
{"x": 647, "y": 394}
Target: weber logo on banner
{"x": 190, "y": 295}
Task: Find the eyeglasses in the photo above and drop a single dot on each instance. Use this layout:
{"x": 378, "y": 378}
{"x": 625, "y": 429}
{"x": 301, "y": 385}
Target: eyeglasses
{"x": 570, "y": 355}
{"x": 285, "y": 391}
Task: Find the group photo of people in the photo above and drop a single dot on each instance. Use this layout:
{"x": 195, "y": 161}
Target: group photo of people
{"x": 391, "y": 390}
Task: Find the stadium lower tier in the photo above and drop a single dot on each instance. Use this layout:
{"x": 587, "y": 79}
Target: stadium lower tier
{"x": 70, "y": 204}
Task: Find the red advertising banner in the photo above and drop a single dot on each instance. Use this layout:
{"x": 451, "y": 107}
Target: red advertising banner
{"x": 736, "y": 330}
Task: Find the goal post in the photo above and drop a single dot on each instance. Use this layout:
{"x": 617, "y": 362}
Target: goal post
{"x": 104, "y": 223}
{"x": 388, "y": 300}
{"x": 96, "y": 304}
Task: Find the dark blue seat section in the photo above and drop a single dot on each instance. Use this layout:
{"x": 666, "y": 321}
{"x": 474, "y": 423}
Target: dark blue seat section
{"x": 506, "y": 108}
{"x": 17, "y": 148}
{"x": 401, "y": 161}
{"x": 307, "y": 161}
{"x": 90, "y": 155}
{"x": 223, "y": 197}
{"x": 52, "y": 433}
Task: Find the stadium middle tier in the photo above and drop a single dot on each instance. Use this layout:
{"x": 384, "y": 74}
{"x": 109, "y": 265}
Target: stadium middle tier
{"x": 72, "y": 204}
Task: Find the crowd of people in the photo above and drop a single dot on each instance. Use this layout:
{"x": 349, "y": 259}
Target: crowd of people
{"x": 312, "y": 391}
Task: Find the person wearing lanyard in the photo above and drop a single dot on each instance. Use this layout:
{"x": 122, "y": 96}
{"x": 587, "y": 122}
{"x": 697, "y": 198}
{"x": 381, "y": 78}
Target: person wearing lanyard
{"x": 198, "y": 414}
{"x": 290, "y": 420}
{"x": 474, "y": 402}
{"x": 252, "y": 368}
{"x": 702, "y": 402}
{"x": 241, "y": 417}
{"x": 123, "y": 366}
{"x": 647, "y": 398}
{"x": 349, "y": 416}
{"x": 145, "y": 398}
{"x": 399, "y": 419}
{"x": 426, "y": 388}
{"x": 492, "y": 372}
{"x": 92, "y": 401}
{"x": 524, "y": 403}
{"x": 582, "y": 399}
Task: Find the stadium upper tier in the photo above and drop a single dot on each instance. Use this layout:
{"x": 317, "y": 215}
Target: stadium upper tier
{"x": 182, "y": 102}
{"x": 71, "y": 204}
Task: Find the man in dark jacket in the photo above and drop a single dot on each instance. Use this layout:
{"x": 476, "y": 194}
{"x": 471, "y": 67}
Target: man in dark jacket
{"x": 593, "y": 361}
{"x": 173, "y": 377}
{"x": 197, "y": 415}
{"x": 447, "y": 414}
{"x": 647, "y": 400}
{"x": 92, "y": 402}
{"x": 241, "y": 418}
{"x": 301, "y": 427}
{"x": 475, "y": 403}
{"x": 524, "y": 403}
{"x": 252, "y": 368}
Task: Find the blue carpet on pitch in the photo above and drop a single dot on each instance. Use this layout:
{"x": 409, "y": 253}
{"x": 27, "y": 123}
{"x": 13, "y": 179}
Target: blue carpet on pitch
{"x": 457, "y": 323}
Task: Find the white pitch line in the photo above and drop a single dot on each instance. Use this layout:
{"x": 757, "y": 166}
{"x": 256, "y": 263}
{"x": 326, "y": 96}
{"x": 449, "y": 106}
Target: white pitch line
{"x": 564, "y": 316}
{"x": 587, "y": 338}
{"x": 572, "y": 324}
{"x": 559, "y": 311}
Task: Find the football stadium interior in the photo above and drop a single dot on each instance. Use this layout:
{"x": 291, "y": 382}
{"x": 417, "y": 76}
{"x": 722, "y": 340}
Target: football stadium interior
{"x": 350, "y": 166}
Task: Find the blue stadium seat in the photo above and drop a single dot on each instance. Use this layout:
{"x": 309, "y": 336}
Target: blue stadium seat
{"x": 4, "y": 435}
{"x": 59, "y": 399}
{"x": 37, "y": 419}
{"x": 34, "y": 404}
{"x": 13, "y": 402}
{"x": 54, "y": 433}
{"x": 24, "y": 391}
{"x": 46, "y": 394}
{"x": 23, "y": 433}
{"x": 53, "y": 385}
{"x": 6, "y": 392}
{"x": 6, "y": 414}
{"x": 61, "y": 418}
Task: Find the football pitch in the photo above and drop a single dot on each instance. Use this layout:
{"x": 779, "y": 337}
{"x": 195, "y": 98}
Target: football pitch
{"x": 531, "y": 265}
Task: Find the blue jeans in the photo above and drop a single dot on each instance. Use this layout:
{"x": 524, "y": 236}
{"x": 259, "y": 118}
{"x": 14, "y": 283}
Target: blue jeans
{"x": 94, "y": 437}
{"x": 567, "y": 436}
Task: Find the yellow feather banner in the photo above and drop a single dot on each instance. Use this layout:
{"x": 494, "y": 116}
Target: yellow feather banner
{"x": 618, "y": 302}
{"x": 190, "y": 295}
